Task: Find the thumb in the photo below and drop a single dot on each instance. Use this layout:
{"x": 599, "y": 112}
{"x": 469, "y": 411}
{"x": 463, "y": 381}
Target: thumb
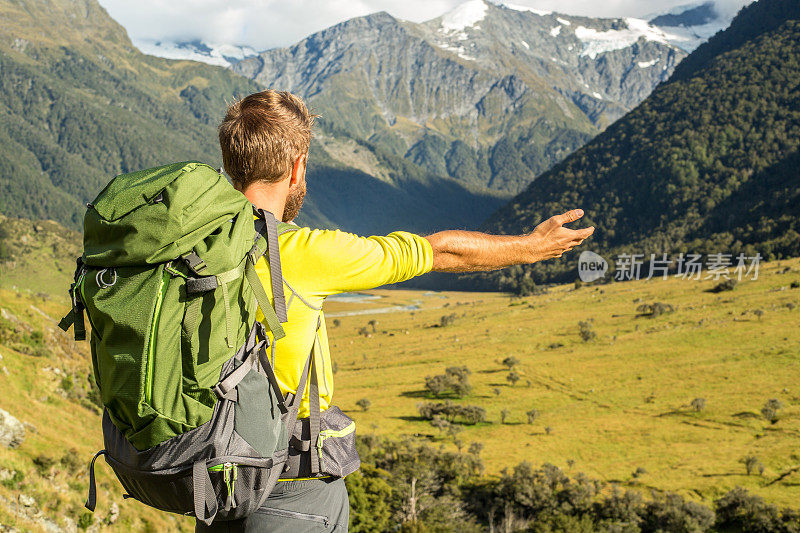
{"x": 569, "y": 216}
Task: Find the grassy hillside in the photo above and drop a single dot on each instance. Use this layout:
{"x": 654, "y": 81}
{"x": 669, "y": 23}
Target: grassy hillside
{"x": 44, "y": 377}
{"x": 707, "y": 163}
{"x": 37, "y": 256}
{"x": 616, "y": 403}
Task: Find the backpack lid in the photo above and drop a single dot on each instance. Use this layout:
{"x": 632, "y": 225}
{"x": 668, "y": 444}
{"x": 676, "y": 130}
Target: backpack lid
{"x": 127, "y": 192}
{"x": 159, "y": 214}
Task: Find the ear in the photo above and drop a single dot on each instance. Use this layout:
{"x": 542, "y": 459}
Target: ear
{"x": 298, "y": 170}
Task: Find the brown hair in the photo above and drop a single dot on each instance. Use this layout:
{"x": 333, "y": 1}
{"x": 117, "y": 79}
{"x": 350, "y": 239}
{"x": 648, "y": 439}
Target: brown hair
{"x": 262, "y": 136}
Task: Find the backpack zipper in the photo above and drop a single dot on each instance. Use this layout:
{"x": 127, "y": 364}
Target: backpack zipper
{"x": 328, "y": 433}
{"x": 230, "y": 471}
{"x": 285, "y": 513}
{"x": 151, "y": 343}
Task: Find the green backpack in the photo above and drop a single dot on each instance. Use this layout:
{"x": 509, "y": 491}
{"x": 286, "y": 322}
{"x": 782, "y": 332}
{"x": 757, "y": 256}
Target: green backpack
{"x": 194, "y": 420}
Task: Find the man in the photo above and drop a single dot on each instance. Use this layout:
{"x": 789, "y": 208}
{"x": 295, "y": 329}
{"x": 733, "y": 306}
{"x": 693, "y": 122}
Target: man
{"x": 265, "y": 140}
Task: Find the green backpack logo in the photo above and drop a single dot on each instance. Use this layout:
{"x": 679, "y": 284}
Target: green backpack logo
{"x": 194, "y": 420}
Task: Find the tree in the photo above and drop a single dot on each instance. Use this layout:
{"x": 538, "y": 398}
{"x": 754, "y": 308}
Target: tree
{"x": 532, "y": 415}
{"x": 510, "y": 362}
{"x": 440, "y": 423}
{"x": 369, "y": 492}
{"x": 475, "y": 448}
{"x": 770, "y": 410}
{"x": 504, "y": 415}
{"x": 364, "y": 404}
{"x": 512, "y": 378}
{"x": 337, "y": 322}
{"x": 752, "y": 464}
{"x": 372, "y": 323}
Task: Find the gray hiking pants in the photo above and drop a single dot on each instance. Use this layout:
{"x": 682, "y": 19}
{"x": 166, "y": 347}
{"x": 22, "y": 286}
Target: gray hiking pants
{"x": 314, "y": 505}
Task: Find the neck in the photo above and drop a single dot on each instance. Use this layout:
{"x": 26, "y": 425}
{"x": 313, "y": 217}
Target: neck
{"x": 268, "y": 196}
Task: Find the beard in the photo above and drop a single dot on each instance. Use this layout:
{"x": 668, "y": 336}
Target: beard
{"x": 294, "y": 202}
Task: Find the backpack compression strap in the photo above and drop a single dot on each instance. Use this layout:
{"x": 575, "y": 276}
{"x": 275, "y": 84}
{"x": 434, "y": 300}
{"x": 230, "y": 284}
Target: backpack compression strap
{"x": 75, "y": 316}
{"x": 262, "y": 245}
{"x": 267, "y": 230}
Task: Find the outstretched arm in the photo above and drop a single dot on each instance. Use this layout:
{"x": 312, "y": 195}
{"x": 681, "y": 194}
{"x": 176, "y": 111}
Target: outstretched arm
{"x": 471, "y": 251}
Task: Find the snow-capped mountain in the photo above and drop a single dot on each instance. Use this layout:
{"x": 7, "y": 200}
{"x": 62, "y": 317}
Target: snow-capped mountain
{"x": 487, "y": 93}
{"x": 223, "y": 55}
{"x": 688, "y": 26}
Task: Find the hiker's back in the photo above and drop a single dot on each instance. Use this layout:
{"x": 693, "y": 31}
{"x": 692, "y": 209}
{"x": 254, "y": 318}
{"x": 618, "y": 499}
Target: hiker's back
{"x": 194, "y": 420}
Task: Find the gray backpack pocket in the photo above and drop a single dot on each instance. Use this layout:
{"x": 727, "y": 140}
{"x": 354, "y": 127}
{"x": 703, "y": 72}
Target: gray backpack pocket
{"x": 336, "y": 445}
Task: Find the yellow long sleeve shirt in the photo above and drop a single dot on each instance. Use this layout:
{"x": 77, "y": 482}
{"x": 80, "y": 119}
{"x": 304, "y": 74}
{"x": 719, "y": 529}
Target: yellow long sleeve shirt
{"x": 319, "y": 263}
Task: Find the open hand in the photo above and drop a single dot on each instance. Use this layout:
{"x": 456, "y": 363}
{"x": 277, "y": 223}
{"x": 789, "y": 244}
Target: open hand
{"x": 551, "y": 239}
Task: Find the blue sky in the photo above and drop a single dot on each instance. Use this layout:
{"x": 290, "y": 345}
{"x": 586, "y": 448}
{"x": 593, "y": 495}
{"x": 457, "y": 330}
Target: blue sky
{"x": 263, "y": 24}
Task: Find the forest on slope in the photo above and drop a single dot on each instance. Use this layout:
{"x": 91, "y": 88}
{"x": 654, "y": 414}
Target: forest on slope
{"x": 80, "y": 104}
{"x": 706, "y": 164}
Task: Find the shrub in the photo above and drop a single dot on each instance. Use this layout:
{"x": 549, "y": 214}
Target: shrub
{"x": 14, "y": 482}
{"x": 739, "y": 510}
{"x": 655, "y": 309}
{"x": 364, "y": 404}
{"x": 504, "y": 415}
{"x": 455, "y": 381}
{"x": 698, "y": 404}
{"x": 586, "y": 331}
{"x": 672, "y": 513}
{"x": 85, "y": 521}
{"x": 512, "y": 378}
{"x": 43, "y": 464}
{"x": 467, "y": 414}
{"x": 510, "y": 362}
{"x": 727, "y": 285}
{"x": 447, "y": 320}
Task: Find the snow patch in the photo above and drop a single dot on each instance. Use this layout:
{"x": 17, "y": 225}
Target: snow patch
{"x": 690, "y": 38}
{"x": 598, "y": 42}
{"x": 464, "y": 16}
{"x": 517, "y": 7}
{"x": 555, "y": 30}
{"x": 526, "y": 45}
{"x": 646, "y": 64}
{"x": 214, "y": 54}
{"x": 597, "y": 95}
{"x": 565, "y": 22}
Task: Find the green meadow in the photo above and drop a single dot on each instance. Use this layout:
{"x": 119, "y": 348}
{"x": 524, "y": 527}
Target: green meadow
{"x": 607, "y": 406}
{"x": 668, "y": 403}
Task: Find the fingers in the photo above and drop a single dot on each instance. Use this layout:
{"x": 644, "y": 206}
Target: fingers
{"x": 579, "y": 234}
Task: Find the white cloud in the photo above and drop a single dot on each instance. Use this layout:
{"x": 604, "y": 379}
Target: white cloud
{"x": 263, "y": 24}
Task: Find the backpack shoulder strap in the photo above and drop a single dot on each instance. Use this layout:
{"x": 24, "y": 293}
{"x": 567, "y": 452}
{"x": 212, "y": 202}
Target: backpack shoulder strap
{"x": 285, "y": 227}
